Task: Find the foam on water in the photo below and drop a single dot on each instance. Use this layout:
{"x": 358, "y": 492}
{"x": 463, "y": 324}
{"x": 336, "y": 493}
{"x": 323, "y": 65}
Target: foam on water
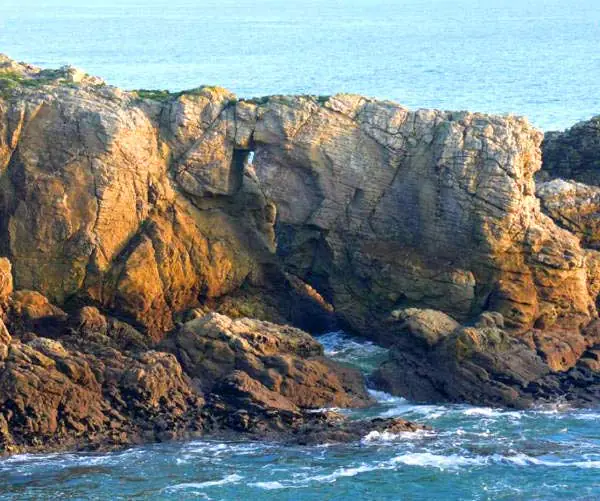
{"x": 387, "y": 437}
{"x": 230, "y": 479}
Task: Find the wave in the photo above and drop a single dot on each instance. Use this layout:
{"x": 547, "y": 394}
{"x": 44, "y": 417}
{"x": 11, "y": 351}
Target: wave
{"x": 491, "y": 412}
{"x": 269, "y": 486}
{"x": 229, "y": 479}
{"x": 387, "y": 437}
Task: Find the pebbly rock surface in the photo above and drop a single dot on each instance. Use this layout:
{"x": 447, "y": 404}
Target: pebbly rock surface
{"x": 126, "y": 218}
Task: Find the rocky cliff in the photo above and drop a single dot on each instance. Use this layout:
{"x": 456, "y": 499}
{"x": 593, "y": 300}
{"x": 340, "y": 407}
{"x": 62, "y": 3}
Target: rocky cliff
{"x": 420, "y": 229}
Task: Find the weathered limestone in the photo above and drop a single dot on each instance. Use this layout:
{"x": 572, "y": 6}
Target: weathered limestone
{"x": 381, "y": 208}
{"x": 574, "y": 206}
{"x": 417, "y": 228}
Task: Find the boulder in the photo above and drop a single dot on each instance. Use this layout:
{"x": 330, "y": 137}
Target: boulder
{"x": 428, "y": 326}
{"x": 283, "y": 359}
{"x": 30, "y": 311}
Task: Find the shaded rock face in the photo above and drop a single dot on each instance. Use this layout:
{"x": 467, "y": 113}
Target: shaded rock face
{"x": 384, "y": 208}
{"x": 573, "y": 154}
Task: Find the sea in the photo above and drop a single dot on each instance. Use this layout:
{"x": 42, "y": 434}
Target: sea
{"x": 538, "y": 58}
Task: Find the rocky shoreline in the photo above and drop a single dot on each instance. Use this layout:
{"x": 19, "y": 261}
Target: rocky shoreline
{"x": 160, "y": 246}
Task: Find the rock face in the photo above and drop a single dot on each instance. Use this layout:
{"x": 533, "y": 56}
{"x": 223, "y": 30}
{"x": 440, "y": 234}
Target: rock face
{"x": 54, "y": 397}
{"x": 108, "y": 197}
{"x": 573, "y": 154}
{"x": 386, "y": 208}
{"x": 150, "y": 209}
{"x": 574, "y": 206}
{"x": 100, "y": 386}
{"x": 126, "y": 217}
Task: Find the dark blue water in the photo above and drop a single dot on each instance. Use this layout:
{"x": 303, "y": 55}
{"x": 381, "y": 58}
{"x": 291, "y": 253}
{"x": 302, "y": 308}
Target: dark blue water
{"x": 537, "y": 58}
{"x": 475, "y": 453}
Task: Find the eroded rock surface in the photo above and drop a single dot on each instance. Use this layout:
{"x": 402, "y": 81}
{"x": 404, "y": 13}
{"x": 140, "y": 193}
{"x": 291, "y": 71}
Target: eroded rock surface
{"x": 573, "y": 154}
{"x": 574, "y": 206}
{"x": 129, "y": 216}
{"x": 287, "y": 361}
{"x": 102, "y": 386}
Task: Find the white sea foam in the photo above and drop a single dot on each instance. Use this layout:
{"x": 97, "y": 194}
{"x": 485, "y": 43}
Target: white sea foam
{"x": 229, "y": 479}
{"x": 269, "y": 486}
{"x": 525, "y": 460}
{"x": 343, "y": 472}
{"x": 385, "y": 398}
{"x": 428, "y": 459}
{"x": 491, "y": 412}
{"x": 386, "y": 436}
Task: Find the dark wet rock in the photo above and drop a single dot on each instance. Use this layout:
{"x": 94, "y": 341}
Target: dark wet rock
{"x": 53, "y": 397}
{"x": 100, "y": 386}
{"x": 328, "y": 427}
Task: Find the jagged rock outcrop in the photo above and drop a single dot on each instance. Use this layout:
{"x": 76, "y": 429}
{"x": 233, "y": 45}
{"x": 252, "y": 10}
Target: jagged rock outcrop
{"x": 573, "y": 154}
{"x": 287, "y": 361}
{"x": 551, "y": 361}
{"x": 386, "y": 208}
{"x": 91, "y": 207}
{"x": 417, "y": 228}
{"x": 150, "y": 210}
{"x": 102, "y": 386}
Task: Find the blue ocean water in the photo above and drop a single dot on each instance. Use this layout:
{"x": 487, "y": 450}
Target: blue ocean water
{"x": 474, "y": 453}
{"x": 537, "y": 58}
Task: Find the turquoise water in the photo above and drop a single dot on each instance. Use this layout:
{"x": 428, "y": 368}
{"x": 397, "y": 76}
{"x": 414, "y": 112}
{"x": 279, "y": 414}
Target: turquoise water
{"x": 539, "y": 58}
{"x": 474, "y": 453}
